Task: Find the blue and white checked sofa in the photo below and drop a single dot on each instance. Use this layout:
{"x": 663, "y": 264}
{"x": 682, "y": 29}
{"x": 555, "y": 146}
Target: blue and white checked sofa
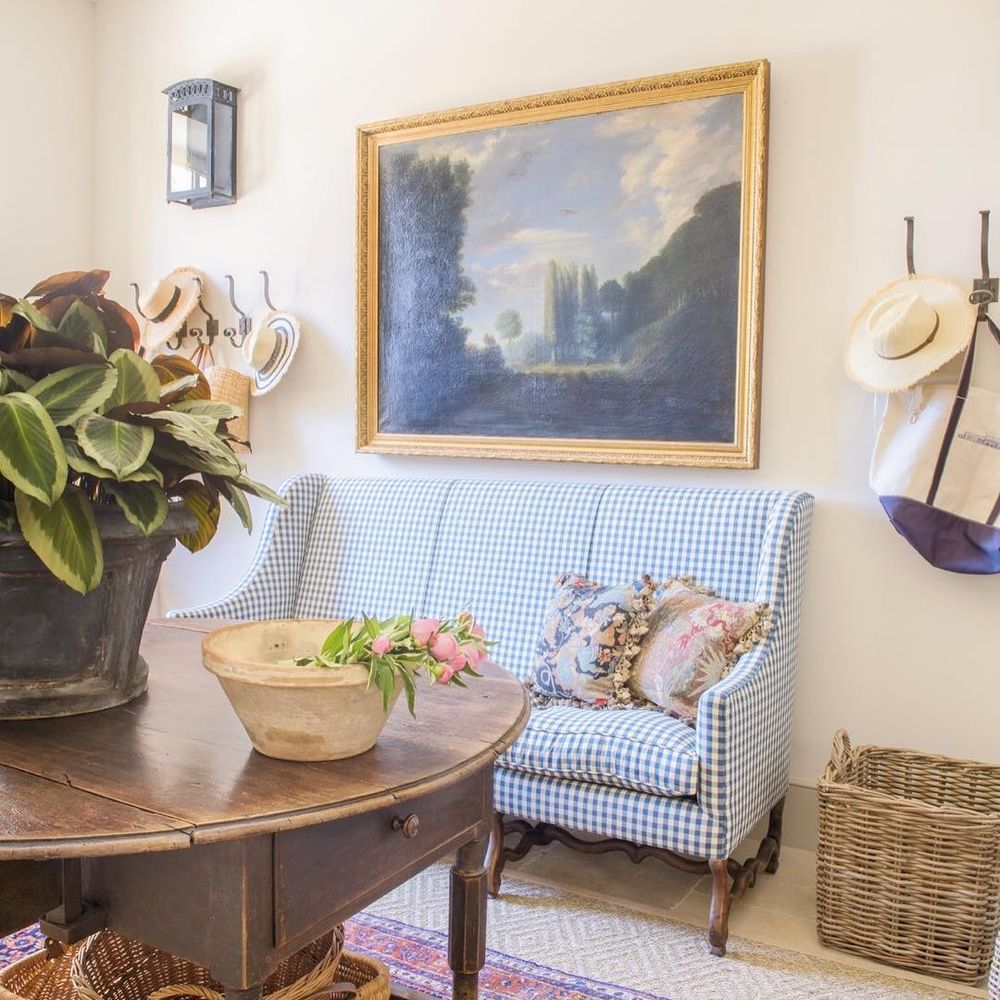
{"x": 433, "y": 547}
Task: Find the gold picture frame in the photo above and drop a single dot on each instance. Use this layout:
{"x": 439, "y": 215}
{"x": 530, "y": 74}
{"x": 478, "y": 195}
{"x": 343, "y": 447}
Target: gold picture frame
{"x": 740, "y": 450}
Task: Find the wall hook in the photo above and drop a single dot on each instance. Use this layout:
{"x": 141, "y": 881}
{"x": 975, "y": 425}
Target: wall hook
{"x": 910, "y": 270}
{"x": 267, "y": 292}
{"x": 984, "y": 289}
{"x": 238, "y": 334}
{"x": 205, "y": 337}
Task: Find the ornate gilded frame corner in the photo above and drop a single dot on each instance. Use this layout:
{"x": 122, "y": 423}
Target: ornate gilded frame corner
{"x": 749, "y": 78}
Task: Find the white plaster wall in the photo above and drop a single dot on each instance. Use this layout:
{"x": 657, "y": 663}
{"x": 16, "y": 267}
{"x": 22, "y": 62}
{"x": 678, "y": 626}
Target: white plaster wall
{"x": 879, "y": 109}
{"x": 46, "y": 148}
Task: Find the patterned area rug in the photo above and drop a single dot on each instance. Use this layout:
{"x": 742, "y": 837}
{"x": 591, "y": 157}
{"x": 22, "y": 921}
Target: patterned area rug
{"x": 603, "y": 952}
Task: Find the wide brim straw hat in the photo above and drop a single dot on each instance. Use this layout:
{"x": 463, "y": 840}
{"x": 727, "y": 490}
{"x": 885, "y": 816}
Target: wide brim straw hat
{"x": 166, "y": 304}
{"x": 269, "y": 350}
{"x": 907, "y": 330}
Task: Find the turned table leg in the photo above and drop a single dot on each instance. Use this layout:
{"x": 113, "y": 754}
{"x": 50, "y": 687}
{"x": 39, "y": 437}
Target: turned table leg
{"x": 467, "y": 922}
{"x": 718, "y": 918}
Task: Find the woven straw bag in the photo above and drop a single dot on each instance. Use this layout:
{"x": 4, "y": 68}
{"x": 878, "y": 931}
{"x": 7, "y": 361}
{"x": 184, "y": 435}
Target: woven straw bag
{"x": 109, "y": 966}
{"x": 908, "y": 861}
{"x": 228, "y": 386}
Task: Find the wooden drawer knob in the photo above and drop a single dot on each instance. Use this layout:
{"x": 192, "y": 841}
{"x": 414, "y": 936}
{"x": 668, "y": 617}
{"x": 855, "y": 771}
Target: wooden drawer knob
{"x": 409, "y": 826}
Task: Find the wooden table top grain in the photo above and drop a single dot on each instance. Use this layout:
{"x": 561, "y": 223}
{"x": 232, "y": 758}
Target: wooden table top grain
{"x": 175, "y": 769}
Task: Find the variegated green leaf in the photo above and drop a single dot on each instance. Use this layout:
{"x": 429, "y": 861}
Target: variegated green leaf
{"x": 167, "y": 450}
{"x": 82, "y": 324}
{"x": 64, "y": 536}
{"x": 143, "y": 504}
{"x": 119, "y": 447}
{"x": 31, "y": 452}
{"x": 213, "y": 408}
{"x": 137, "y": 382}
{"x": 196, "y": 497}
{"x": 172, "y": 392}
{"x": 69, "y": 394}
{"x": 200, "y": 434}
{"x": 14, "y": 381}
{"x": 251, "y": 486}
{"x": 34, "y": 316}
{"x": 8, "y": 516}
{"x": 238, "y": 501}
{"x": 85, "y": 466}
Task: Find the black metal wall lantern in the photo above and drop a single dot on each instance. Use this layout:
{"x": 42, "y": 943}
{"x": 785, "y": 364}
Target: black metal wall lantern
{"x": 201, "y": 143}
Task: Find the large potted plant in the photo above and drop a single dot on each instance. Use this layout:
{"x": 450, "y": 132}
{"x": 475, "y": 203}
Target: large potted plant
{"x": 105, "y": 459}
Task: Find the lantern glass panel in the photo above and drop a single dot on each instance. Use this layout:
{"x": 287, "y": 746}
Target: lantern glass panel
{"x": 222, "y": 179}
{"x": 189, "y": 152}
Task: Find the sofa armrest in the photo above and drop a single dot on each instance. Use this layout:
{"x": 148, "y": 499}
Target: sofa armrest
{"x": 744, "y": 736}
{"x": 269, "y": 588}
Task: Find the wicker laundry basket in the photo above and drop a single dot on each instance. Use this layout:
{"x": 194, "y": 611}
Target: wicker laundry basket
{"x": 109, "y": 966}
{"x": 908, "y": 862}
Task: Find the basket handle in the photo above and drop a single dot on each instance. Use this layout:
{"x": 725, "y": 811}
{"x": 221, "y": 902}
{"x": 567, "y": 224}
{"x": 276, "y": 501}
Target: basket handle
{"x": 841, "y": 753}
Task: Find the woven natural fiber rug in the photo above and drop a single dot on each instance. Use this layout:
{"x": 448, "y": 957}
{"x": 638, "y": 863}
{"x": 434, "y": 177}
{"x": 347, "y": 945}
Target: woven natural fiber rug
{"x": 549, "y": 944}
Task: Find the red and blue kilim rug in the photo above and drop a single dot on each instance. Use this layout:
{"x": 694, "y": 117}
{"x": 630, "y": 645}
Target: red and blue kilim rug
{"x": 418, "y": 960}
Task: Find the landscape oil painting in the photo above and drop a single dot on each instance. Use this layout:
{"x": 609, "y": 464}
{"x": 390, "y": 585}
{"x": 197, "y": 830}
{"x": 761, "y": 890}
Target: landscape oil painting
{"x": 572, "y": 276}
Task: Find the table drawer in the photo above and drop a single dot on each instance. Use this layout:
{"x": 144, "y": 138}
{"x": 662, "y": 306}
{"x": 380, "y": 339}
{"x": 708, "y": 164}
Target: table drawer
{"x": 323, "y": 874}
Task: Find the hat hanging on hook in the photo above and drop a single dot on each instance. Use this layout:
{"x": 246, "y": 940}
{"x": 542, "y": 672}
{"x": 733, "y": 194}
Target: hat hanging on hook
{"x": 908, "y": 329}
{"x": 166, "y": 304}
{"x": 271, "y": 346}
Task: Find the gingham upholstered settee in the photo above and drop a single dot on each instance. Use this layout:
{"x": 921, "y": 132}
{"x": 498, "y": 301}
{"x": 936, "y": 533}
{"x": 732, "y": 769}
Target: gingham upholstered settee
{"x": 641, "y": 778}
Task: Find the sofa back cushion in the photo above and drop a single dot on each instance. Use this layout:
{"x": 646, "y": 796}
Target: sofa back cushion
{"x": 499, "y": 549}
{"x": 713, "y": 535}
{"x": 370, "y": 547}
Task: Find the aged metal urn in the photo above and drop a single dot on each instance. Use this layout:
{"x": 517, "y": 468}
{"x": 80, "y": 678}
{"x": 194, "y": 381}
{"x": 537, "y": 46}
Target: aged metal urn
{"x": 63, "y": 653}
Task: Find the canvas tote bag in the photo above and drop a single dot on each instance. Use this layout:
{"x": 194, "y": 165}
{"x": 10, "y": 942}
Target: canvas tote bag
{"x": 936, "y": 464}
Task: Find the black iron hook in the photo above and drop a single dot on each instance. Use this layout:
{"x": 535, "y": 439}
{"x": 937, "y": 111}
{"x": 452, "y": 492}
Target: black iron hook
{"x": 267, "y": 292}
{"x": 910, "y": 270}
{"x": 984, "y": 289}
{"x": 138, "y": 308}
{"x": 238, "y": 334}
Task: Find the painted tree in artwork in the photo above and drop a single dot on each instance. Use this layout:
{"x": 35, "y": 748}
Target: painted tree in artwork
{"x": 509, "y": 325}
{"x": 425, "y": 364}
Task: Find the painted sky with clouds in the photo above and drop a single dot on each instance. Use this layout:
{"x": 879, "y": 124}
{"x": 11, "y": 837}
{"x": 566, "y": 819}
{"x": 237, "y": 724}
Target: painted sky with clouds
{"x": 604, "y": 189}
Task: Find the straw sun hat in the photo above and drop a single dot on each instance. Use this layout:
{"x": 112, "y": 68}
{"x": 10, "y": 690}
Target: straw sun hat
{"x": 166, "y": 304}
{"x": 906, "y": 330}
{"x": 270, "y": 348}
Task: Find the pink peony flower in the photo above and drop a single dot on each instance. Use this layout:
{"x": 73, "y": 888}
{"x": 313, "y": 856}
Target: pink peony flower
{"x": 445, "y": 674}
{"x": 381, "y": 644}
{"x": 458, "y": 662}
{"x": 443, "y": 646}
{"x": 474, "y": 654}
{"x": 424, "y": 629}
{"x": 477, "y": 631}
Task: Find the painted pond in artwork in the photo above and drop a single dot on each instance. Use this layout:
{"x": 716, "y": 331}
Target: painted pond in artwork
{"x": 573, "y": 278}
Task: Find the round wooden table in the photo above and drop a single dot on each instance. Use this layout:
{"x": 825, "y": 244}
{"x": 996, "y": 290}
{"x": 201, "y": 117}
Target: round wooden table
{"x": 159, "y": 820}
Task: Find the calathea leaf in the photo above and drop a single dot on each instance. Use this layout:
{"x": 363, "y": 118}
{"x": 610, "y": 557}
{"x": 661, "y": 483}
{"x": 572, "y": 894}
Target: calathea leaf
{"x": 34, "y": 316}
{"x": 64, "y": 536}
{"x": 213, "y": 408}
{"x": 238, "y": 501}
{"x": 143, "y": 504}
{"x": 173, "y": 392}
{"x": 71, "y": 283}
{"x": 170, "y": 367}
{"x": 168, "y": 451}
{"x": 42, "y": 360}
{"x": 198, "y": 500}
{"x": 120, "y": 324}
{"x": 260, "y": 490}
{"x": 82, "y": 324}
{"x": 69, "y": 394}
{"x": 198, "y": 433}
{"x": 85, "y": 466}
{"x": 119, "y": 447}
{"x": 12, "y": 380}
{"x": 32, "y": 456}
{"x": 137, "y": 382}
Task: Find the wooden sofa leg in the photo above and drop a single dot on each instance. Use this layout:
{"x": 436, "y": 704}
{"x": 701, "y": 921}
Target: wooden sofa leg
{"x": 495, "y": 859}
{"x": 774, "y": 833}
{"x": 718, "y": 916}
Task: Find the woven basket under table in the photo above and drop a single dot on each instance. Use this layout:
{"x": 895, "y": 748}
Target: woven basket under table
{"x": 109, "y": 966}
{"x": 908, "y": 862}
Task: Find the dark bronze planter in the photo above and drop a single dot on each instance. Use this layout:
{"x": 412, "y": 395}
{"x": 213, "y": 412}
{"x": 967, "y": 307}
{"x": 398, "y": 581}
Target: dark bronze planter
{"x": 62, "y": 653}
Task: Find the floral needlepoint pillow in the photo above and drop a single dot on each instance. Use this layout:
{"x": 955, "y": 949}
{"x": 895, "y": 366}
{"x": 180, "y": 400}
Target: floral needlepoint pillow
{"x": 590, "y": 636}
{"x": 694, "y": 639}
